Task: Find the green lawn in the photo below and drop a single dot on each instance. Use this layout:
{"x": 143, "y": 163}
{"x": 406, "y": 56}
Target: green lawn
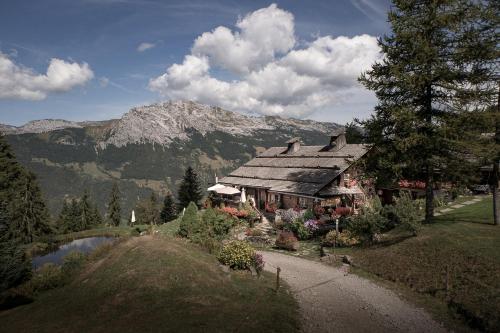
{"x": 158, "y": 284}
{"x": 463, "y": 245}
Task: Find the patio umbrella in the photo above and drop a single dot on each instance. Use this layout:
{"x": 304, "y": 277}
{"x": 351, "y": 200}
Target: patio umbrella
{"x": 215, "y": 187}
{"x": 243, "y": 198}
{"x": 227, "y": 190}
{"x": 132, "y": 220}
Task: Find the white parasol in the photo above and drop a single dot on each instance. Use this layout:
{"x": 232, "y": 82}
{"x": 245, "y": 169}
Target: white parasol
{"x": 243, "y": 198}
{"x": 215, "y": 187}
{"x": 227, "y": 190}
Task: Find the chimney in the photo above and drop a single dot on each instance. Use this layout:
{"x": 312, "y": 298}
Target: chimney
{"x": 337, "y": 141}
{"x": 293, "y": 145}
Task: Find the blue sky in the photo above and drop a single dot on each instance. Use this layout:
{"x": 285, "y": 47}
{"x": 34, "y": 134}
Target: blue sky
{"x": 99, "y": 43}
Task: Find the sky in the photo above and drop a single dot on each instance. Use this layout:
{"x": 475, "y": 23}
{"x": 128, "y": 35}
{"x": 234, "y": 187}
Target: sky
{"x": 95, "y": 59}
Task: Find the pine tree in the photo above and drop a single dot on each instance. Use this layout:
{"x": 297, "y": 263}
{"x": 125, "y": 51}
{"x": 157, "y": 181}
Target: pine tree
{"x": 74, "y": 216}
{"x": 189, "y": 190}
{"x": 190, "y": 222}
{"x": 96, "y": 216}
{"x": 169, "y": 211}
{"x": 153, "y": 210}
{"x": 86, "y": 212}
{"x": 63, "y": 219}
{"x": 25, "y": 215}
{"x": 437, "y": 63}
{"x": 114, "y": 209}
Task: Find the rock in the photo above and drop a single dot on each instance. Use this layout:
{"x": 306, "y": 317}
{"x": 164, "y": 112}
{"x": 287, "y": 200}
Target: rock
{"x": 253, "y": 271}
{"x": 347, "y": 259}
{"x": 143, "y": 233}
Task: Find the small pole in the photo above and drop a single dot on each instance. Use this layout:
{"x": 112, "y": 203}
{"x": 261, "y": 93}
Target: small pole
{"x": 278, "y": 270}
{"x": 447, "y": 280}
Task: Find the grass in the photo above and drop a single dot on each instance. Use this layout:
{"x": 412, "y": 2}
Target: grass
{"x": 460, "y": 250}
{"x": 157, "y": 283}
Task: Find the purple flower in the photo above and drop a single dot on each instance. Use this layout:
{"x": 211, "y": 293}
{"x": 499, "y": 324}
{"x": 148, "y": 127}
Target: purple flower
{"x": 311, "y": 225}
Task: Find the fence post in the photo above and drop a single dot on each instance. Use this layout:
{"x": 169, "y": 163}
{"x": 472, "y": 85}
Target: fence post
{"x": 278, "y": 270}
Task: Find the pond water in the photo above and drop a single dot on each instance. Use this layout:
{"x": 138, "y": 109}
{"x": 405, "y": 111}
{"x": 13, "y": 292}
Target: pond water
{"x": 84, "y": 245}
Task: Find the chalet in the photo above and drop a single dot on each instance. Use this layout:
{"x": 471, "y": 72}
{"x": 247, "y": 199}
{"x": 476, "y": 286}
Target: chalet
{"x": 298, "y": 176}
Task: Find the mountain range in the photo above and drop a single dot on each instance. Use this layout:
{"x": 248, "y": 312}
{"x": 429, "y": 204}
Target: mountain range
{"x": 148, "y": 149}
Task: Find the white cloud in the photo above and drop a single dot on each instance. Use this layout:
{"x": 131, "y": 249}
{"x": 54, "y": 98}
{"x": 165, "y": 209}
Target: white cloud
{"x": 18, "y": 82}
{"x": 264, "y": 33}
{"x": 145, "y": 46}
{"x": 274, "y": 77}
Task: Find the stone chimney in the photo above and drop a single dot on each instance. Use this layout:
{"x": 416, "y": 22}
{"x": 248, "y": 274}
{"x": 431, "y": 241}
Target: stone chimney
{"x": 293, "y": 145}
{"x": 337, "y": 141}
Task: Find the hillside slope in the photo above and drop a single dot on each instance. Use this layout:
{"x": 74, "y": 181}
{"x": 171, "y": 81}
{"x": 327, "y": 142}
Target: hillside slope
{"x": 148, "y": 149}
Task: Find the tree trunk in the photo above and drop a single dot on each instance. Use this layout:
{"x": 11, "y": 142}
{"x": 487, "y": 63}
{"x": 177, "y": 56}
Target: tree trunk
{"x": 496, "y": 160}
{"x": 429, "y": 195}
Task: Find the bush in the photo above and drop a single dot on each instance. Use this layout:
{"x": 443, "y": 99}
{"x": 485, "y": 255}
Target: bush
{"x": 345, "y": 239}
{"x": 73, "y": 261}
{"x": 190, "y": 222}
{"x": 309, "y": 215}
{"x": 216, "y": 224}
{"x": 289, "y": 215}
{"x": 15, "y": 267}
{"x": 254, "y": 232}
{"x": 406, "y": 213}
{"x": 287, "y": 240}
{"x": 237, "y": 255}
{"x": 258, "y": 262}
{"x": 47, "y": 277}
{"x": 299, "y": 229}
{"x": 369, "y": 222}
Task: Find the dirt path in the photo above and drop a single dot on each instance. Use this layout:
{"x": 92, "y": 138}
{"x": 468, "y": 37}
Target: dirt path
{"x": 331, "y": 301}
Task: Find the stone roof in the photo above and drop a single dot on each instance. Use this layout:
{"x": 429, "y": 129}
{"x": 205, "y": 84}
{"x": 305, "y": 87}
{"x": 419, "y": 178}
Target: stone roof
{"x": 305, "y": 171}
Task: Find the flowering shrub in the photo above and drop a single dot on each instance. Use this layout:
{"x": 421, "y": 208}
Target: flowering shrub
{"x": 312, "y": 225}
{"x": 253, "y": 232}
{"x": 343, "y": 211}
{"x": 289, "y": 215}
{"x": 258, "y": 262}
{"x": 237, "y": 255}
{"x": 234, "y": 212}
{"x": 287, "y": 240}
{"x": 345, "y": 239}
{"x": 318, "y": 210}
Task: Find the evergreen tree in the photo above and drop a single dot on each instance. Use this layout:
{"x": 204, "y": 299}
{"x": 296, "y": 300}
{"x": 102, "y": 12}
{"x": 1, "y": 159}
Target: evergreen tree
{"x": 148, "y": 211}
{"x": 189, "y": 190}
{"x": 169, "y": 211}
{"x": 114, "y": 209}
{"x": 30, "y": 217}
{"x": 63, "y": 222}
{"x": 96, "y": 216}
{"x": 437, "y": 64}
{"x": 86, "y": 218}
{"x": 25, "y": 216}
{"x": 74, "y": 215}
{"x": 190, "y": 222}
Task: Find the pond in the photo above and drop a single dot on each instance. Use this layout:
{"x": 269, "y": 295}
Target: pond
{"x": 84, "y": 245}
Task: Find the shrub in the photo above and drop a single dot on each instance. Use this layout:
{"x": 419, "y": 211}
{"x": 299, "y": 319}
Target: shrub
{"x": 216, "y": 224}
{"x": 258, "y": 262}
{"x": 190, "y": 222}
{"x": 47, "y": 277}
{"x": 309, "y": 215}
{"x": 318, "y": 210}
{"x": 289, "y": 215}
{"x": 299, "y": 229}
{"x": 254, "y": 232}
{"x": 369, "y": 222}
{"x": 407, "y": 213}
{"x": 345, "y": 239}
{"x": 343, "y": 211}
{"x": 237, "y": 255}
{"x": 287, "y": 240}
{"x": 312, "y": 225}
{"x": 73, "y": 261}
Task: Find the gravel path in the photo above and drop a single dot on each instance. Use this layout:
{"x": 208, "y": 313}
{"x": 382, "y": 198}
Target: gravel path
{"x": 331, "y": 301}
